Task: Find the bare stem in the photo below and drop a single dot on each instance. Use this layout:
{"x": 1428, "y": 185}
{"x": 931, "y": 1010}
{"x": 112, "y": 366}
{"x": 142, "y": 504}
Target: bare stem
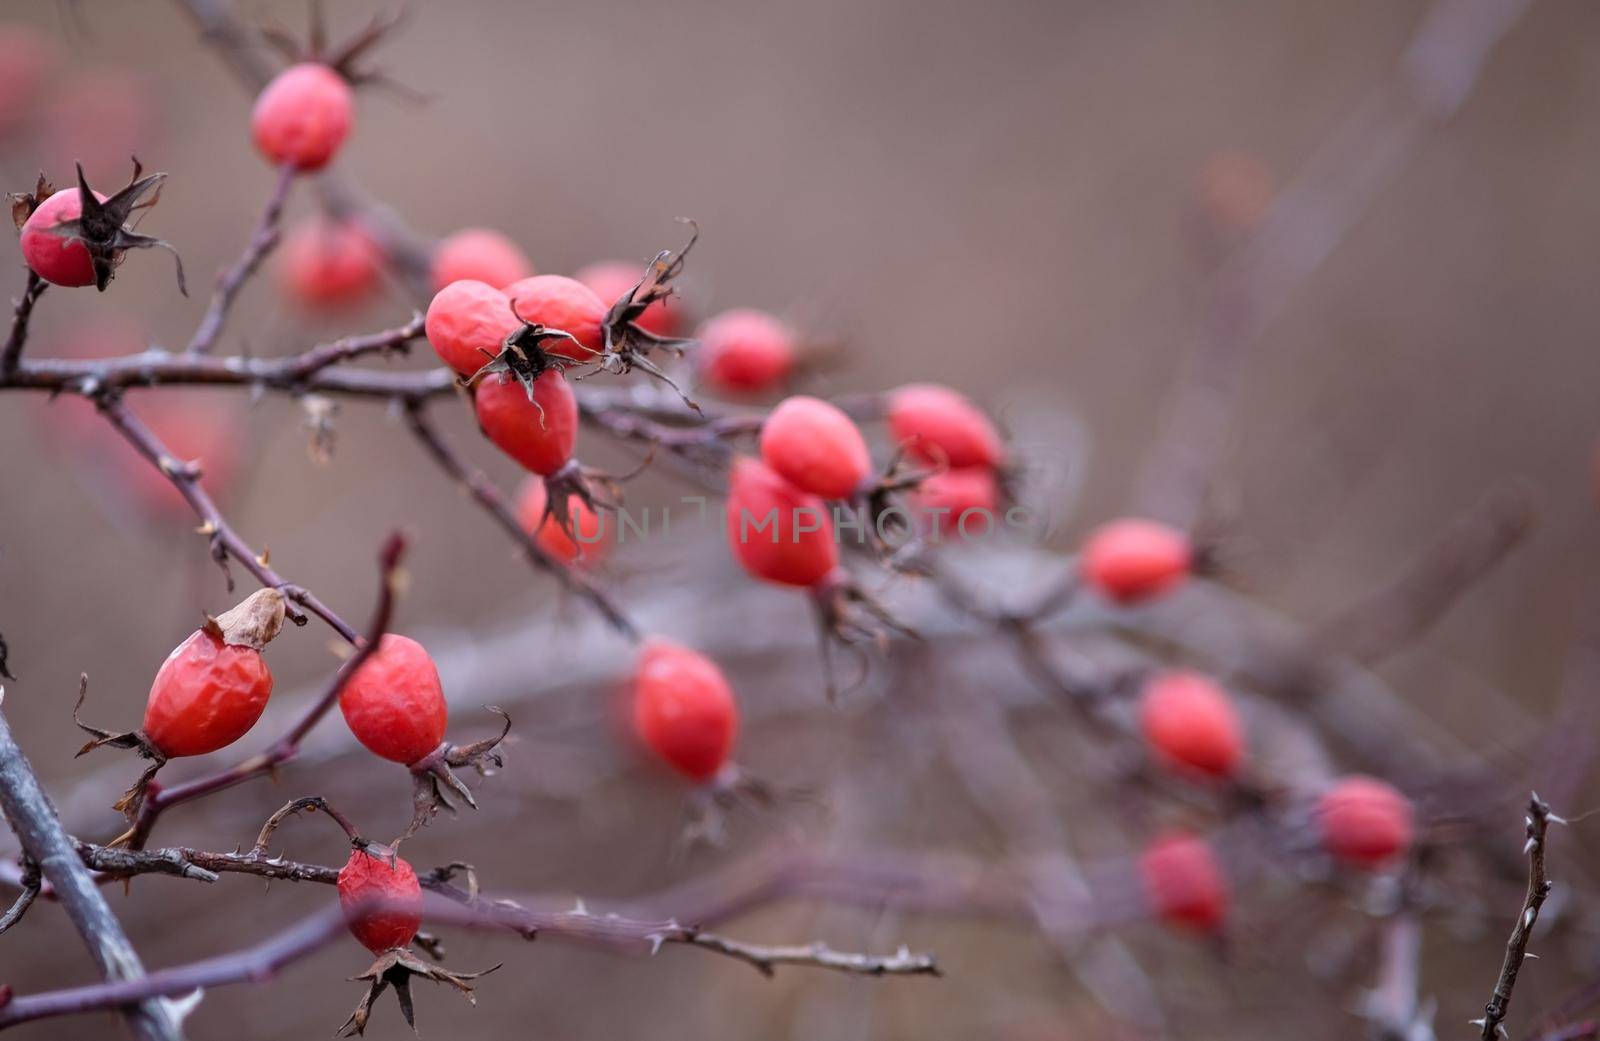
{"x": 232, "y": 280}
{"x": 1494, "y": 1013}
{"x": 11, "y": 353}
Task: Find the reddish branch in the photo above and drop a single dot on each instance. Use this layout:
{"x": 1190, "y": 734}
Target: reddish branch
{"x": 230, "y": 281}
{"x": 11, "y": 353}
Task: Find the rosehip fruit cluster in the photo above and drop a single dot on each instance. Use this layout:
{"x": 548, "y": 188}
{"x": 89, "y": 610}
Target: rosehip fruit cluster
{"x": 941, "y": 427}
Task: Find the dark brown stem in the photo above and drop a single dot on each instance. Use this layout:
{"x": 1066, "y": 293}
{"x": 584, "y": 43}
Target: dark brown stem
{"x": 262, "y": 241}
{"x": 30, "y": 891}
{"x": 47, "y": 844}
{"x": 1494, "y": 1013}
{"x": 11, "y": 353}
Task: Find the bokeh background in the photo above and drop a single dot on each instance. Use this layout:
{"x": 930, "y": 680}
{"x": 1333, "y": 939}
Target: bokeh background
{"x": 999, "y": 196}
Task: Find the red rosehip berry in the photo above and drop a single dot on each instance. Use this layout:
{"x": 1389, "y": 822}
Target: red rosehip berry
{"x": 941, "y": 426}
{"x": 745, "y": 351}
{"x": 325, "y": 264}
{"x": 1130, "y": 560}
{"x": 683, "y": 709}
{"x": 778, "y": 532}
{"x": 962, "y": 503}
{"x": 206, "y": 695}
{"x": 816, "y": 447}
{"x": 24, "y": 60}
{"x": 1191, "y": 723}
{"x": 611, "y": 279}
{"x": 1183, "y": 883}
{"x": 558, "y": 302}
{"x": 1364, "y": 822}
{"x": 394, "y": 704}
{"x": 467, "y": 324}
{"x": 382, "y": 901}
{"x": 58, "y": 259}
{"x": 482, "y": 255}
{"x": 595, "y": 534}
{"x": 539, "y": 434}
{"x": 303, "y": 116}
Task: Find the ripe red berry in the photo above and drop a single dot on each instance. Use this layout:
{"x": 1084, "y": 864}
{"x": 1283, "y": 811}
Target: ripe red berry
{"x": 467, "y": 324}
{"x": 1191, "y": 723}
{"x": 778, "y": 532}
{"x": 206, "y": 696}
{"x": 394, "y": 703}
{"x": 683, "y": 709}
{"x": 58, "y": 259}
{"x": 745, "y": 351}
{"x": 303, "y": 116}
{"x": 327, "y": 264}
{"x": 480, "y": 254}
{"x": 963, "y": 503}
{"x": 816, "y": 447}
{"x": 1364, "y": 822}
{"x": 1183, "y": 883}
{"x": 941, "y": 426}
{"x": 558, "y": 302}
{"x": 1130, "y": 560}
{"x": 595, "y": 533}
{"x": 611, "y": 279}
{"x": 539, "y": 434}
{"x": 367, "y": 879}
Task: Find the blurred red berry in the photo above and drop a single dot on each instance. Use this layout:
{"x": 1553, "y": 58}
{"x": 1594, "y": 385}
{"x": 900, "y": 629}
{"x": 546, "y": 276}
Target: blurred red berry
{"x": 595, "y": 533}
{"x": 100, "y": 118}
{"x": 941, "y": 426}
{"x": 539, "y": 434}
{"x": 394, "y": 704}
{"x": 382, "y": 901}
{"x": 25, "y": 58}
{"x": 746, "y": 351}
{"x": 816, "y": 447}
{"x": 1235, "y": 191}
{"x": 683, "y": 709}
{"x": 611, "y": 279}
{"x": 1183, "y": 883}
{"x": 1364, "y": 822}
{"x": 778, "y": 532}
{"x": 58, "y": 259}
{"x": 303, "y": 116}
{"x": 482, "y": 255}
{"x": 960, "y": 503}
{"x": 1191, "y": 723}
{"x": 558, "y": 302}
{"x": 467, "y": 324}
{"x": 206, "y": 696}
{"x": 325, "y": 264}
{"x": 1131, "y": 559}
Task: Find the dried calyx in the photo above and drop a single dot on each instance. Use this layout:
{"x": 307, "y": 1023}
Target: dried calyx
{"x": 340, "y": 57}
{"x": 628, "y": 344}
{"x": 394, "y": 968}
{"x": 433, "y": 776}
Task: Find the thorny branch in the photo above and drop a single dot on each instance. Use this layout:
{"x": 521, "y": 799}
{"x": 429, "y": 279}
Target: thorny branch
{"x": 1494, "y": 1013}
{"x": 11, "y": 353}
{"x": 262, "y": 241}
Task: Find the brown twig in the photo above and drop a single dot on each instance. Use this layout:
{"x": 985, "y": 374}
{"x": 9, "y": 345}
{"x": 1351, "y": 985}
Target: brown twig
{"x": 1494, "y": 1013}
{"x": 232, "y": 279}
{"x": 11, "y": 353}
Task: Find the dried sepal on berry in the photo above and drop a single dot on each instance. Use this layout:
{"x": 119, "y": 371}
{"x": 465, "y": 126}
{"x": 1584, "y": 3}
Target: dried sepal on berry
{"x": 395, "y": 969}
{"x": 732, "y": 790}
{"x": 255, "y": 622}
{"x": 434, "y": 781}
{"x": 103, "y": 228}
{"x": 522, "y": 354}
{"x": 629, "y": 344}
{"x": 848, "y": 616}
{"x": 343, "y": 56}
{"x": 133, "y": 796}
{"x": 24, "y": 203}
{"x": 594, "y": 489}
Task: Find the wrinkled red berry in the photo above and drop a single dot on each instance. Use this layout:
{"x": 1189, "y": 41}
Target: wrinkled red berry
{"x": 1130, "y": 560}
{"x": 595, "y": 533}
{"x": 206, "y": 696}
{"x": 328, "y": 264}
{"x": 683, "y": 709}
{"x": 1365, "y": 822}
{"x": 1191, "y": 723}
{"x": 745, "y": 351}
{"x": 482, "y": 255}
{"x": 941, "y": 426}
{"x": 1183, "y": 883}
{"x": 369, "y": 879}
{"x": 816, "y": 447}
{"x": 558, "y": 302}
{"x": 610, "y": 280}
{"x": 58, "y": 259}
{"x": 467, "y": 324}
{"x": 303, "y": 116}
{"x": 961, "y": 503}
{"x": 539, "y": 434}
{"x": 778, "y": 532}
{"x": 394, "y": 703}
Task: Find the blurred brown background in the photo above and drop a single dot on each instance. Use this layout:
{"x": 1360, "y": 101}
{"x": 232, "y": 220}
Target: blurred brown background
{"x": 990, "y": 195}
